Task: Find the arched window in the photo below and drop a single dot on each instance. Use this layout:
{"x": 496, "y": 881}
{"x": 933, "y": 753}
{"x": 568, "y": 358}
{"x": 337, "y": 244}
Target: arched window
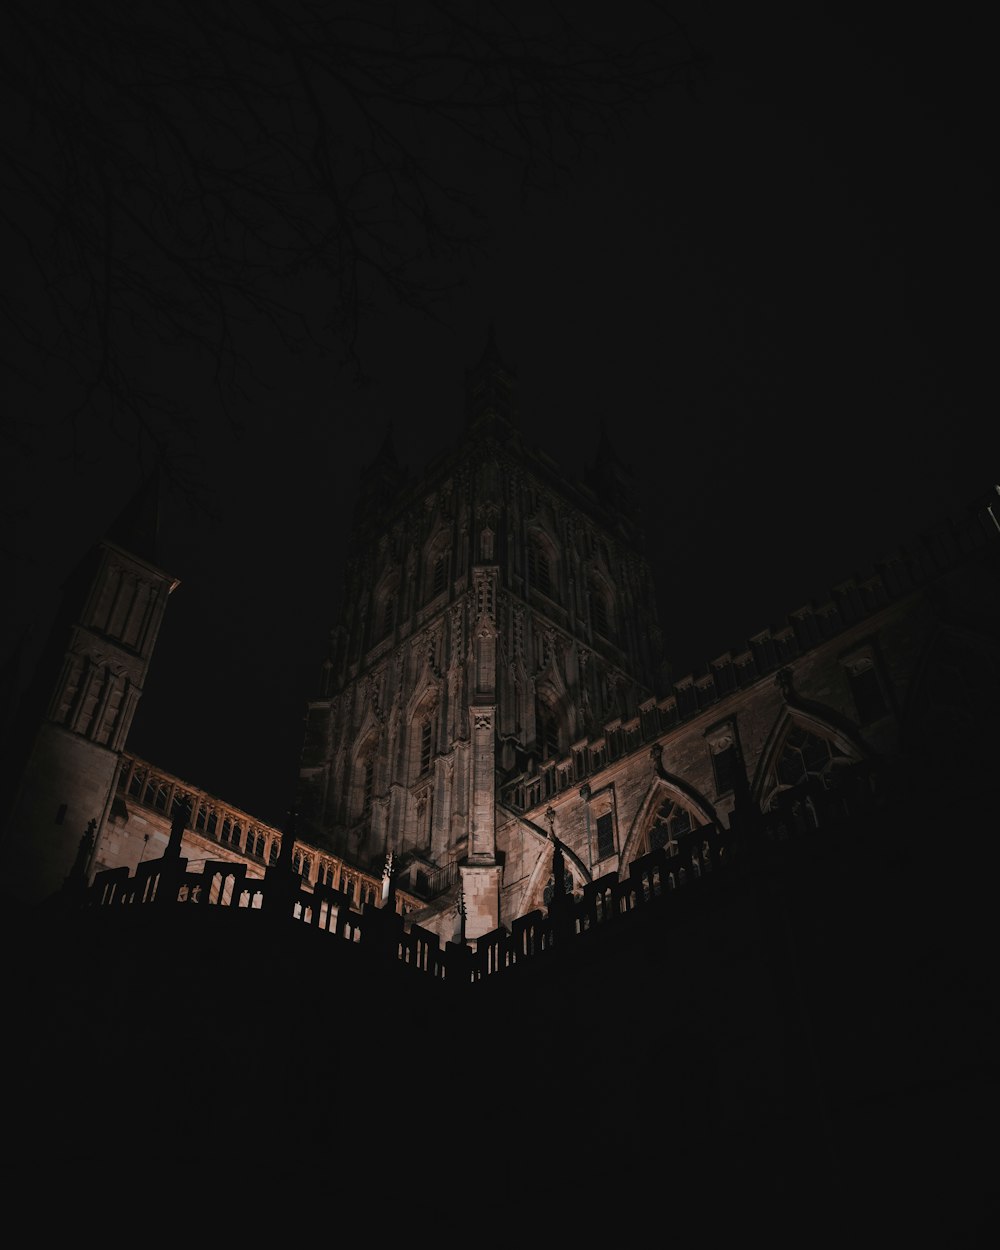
{"x": 539, "y": 565}
{"x": 439, "y": 573}
{"x": 547, "y": 724}
{"x": 804, "y": 754}
{"x": 388, "y": 614}
{"x": 671, "y": 822}
{"x": 600, "y": 609}
{"x": 363, "y": 788}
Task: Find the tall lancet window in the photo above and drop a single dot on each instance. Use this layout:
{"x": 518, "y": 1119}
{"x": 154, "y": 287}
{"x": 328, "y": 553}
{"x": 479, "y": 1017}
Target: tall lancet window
{"x": 388, "y": 614}
{"x": 600, "y": 615}
{"x": 548, "y": 731}
{"x": 439, "y": 573}
{"x": 539, "y": 565}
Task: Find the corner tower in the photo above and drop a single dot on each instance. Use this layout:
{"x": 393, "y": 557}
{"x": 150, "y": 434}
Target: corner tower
{"x": 495, "y": 613}
{"x": 64, "y": 743}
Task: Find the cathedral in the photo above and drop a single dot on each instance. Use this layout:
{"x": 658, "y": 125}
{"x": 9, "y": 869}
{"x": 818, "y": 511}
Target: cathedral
{"x": 495, "y": 688}
{"x": 495, "y": 738}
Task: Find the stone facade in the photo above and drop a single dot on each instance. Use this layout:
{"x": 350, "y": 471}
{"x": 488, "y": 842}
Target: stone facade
{"x": 62, "y": 758}
{"x": 496, "y": 684}
{"x": 495, "y": 690}
{"x": 138, "y": 829}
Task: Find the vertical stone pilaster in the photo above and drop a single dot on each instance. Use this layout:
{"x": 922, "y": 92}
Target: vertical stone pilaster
{"x": 482, "y": 834}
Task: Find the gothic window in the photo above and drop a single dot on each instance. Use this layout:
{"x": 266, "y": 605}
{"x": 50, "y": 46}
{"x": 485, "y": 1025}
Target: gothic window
{"x": 388, "y": 614}
{"x": 272, "y": 857}
{"x": 671, "y": 822}
{"x": 548, "y": 731}
{"x": 549, "y": 892}
{"x": 539, "y": 565}
{"x": 439, "y": 573}
{"x": 363, "y": 786}
{"x": 259, "y": 846}
{"x": 804, "y": 754}
{"x": 866, "y": 689}
{"x": 600, "y": 610}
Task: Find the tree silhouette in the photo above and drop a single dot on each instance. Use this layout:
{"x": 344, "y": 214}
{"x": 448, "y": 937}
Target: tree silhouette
{"x": 181, "y": 178}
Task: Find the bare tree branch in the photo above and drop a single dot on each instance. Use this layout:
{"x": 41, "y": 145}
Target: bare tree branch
{"x": 179, "y": 173}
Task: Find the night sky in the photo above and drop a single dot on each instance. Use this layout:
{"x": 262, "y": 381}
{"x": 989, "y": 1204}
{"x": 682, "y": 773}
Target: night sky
{"x": 771, "y": 290}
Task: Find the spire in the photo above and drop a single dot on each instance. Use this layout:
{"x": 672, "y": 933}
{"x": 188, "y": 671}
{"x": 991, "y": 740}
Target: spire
{"x": 380, "y": 482}
{"x": 491, "y": 354}
{"x": 609, "y": 477}
{"x": 136, "y": 528}
{"x": 491, "y": 394}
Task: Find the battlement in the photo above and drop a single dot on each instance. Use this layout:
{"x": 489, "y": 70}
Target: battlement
{"x": 935, "y": 553}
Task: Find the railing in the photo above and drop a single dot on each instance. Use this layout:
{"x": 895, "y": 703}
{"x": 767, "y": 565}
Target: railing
{"x": 652, "y": 881}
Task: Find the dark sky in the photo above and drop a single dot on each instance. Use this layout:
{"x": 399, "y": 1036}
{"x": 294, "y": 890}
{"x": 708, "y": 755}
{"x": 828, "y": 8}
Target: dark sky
{"x": 772, "y": 292}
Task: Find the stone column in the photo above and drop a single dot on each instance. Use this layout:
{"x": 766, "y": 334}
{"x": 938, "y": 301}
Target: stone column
{"x": 480, "y": 872}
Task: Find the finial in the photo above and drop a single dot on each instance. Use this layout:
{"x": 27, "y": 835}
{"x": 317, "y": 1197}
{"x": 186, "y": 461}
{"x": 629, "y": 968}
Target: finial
{"x": 178, "y": 823}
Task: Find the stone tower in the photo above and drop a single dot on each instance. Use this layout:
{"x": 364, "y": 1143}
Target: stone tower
{"x": 63, "y": 743}
{"x": 494, "y": 615}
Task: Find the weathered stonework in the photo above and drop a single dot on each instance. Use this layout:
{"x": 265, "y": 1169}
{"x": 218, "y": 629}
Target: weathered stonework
{"x": 495, "y": 689}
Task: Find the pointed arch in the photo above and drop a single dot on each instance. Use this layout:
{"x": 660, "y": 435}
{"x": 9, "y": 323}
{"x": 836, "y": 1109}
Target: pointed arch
{"x": 540, "y": 881}
{"x": 801, "y": 745}
{"x": 364, "y": 766}
{"x": 386, "y": 606}
{"x": 542, "y": 560}
{"x": 672, "y": 793}
{"x": 437, "y": 563}
{"x": 601, "y": 600}
{"x": 421, "y": 729}
{"x": 552, "y": 726}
